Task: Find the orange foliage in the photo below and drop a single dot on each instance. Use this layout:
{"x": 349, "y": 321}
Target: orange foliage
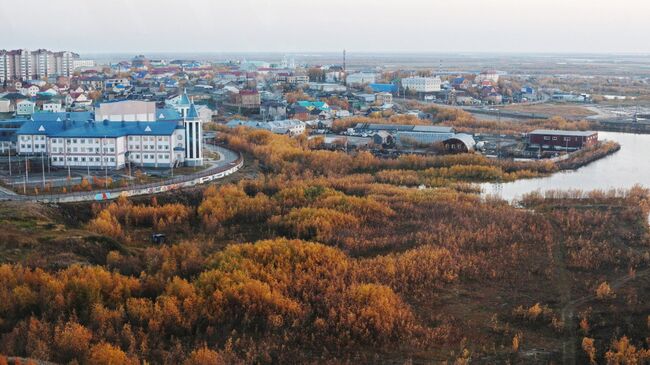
{"x": 107, "y": 354}
{"x": 204, "y": 356}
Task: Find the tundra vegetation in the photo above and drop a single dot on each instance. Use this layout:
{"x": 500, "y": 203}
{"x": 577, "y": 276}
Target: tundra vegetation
{"x": 326, "y": 257}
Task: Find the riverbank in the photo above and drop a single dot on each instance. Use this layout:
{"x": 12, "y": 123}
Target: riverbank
{"x": 623, "y": 127}
{"x": 586, "y": 156}
{"x": 621, "y": 170}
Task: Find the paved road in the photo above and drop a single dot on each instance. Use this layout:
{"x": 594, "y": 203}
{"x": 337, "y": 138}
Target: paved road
{"x": 228, "y": 163}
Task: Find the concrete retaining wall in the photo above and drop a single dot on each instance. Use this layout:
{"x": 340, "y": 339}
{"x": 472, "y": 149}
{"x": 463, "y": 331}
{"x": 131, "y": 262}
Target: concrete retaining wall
{"x": 169, "y": 185}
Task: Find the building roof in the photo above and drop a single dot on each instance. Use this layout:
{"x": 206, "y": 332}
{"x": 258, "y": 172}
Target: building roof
{"x": 163, "y": 114}
{"x": 553, "y": 132}
{"x": 313, "y": 105}
{"x": 405, "y": 128}
{"x": 278, "y": 126}
{"x": 61, "y": 116}
{"x": 192, "y": 113}
{"x": 248, "y": 92}
{"x": 184, "y": 100}
{"x": 14, "y": 96}
{"x": 432, "y": 129}
{"x": 466, "y": 139}
{"x": 96, "y": 129}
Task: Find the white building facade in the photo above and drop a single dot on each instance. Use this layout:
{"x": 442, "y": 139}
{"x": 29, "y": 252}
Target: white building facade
{"x": 422, "y": 84}
{"x": 115, "y": 144}
{"x": 361, "y": 78}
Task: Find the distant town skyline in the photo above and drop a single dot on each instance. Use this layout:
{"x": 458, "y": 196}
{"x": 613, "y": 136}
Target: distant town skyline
{"x": 551, "y": 26}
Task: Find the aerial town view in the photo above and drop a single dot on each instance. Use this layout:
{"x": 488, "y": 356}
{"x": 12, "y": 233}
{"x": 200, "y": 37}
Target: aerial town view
{"x": 352, "y": 182}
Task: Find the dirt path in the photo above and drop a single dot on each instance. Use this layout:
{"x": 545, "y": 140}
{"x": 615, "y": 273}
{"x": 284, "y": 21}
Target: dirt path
{"x": 570, "y": 337}
{"x": 562, "y": 278}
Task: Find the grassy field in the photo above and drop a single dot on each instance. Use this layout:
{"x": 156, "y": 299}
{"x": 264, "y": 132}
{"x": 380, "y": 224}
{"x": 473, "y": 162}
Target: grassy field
{"x": 38, "y": 235}
{"x": 567, "y": 111}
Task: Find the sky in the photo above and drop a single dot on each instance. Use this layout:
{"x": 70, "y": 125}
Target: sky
{"x": 428, "y": 26}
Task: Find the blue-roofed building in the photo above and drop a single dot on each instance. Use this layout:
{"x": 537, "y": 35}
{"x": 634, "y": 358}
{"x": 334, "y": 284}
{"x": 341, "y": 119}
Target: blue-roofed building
{"x": 61, "y": 116}
{"x": 8, "y": 129}
{"x": 180, "y": 102}
{"x": 461, "y": 83}
{"x": 168, "y": 114}
{"x": 383, "y": 88}
{"x": 126, "y": 133}
{"x": 314, "y": 105}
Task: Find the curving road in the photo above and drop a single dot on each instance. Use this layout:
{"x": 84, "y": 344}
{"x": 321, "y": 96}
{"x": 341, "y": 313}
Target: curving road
{"x": 229, "y": 163}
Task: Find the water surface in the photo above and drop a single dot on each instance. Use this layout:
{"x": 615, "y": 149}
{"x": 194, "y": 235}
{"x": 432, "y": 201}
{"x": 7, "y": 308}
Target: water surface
{"x": 622, "y": 170}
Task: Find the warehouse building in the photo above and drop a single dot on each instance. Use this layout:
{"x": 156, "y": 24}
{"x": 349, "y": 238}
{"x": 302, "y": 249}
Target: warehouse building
{"x": 561, "y": 140}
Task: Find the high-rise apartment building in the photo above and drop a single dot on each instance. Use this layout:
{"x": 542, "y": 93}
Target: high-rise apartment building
{"x": 23, "y": 64}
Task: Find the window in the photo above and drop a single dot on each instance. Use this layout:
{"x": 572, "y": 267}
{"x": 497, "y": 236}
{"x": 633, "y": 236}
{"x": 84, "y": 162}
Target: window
{"x": 547, "y": 138}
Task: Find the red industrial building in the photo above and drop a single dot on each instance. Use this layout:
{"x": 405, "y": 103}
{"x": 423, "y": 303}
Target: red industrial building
{"x": 561, "y": 140}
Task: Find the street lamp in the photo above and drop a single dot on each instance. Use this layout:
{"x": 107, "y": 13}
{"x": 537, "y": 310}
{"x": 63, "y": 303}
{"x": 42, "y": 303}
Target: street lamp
{"x": 105, "y": 169}
{"x": 43, "y": 168}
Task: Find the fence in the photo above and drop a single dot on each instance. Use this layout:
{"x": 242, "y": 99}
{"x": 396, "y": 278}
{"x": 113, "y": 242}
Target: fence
{"x": 151, "y": 188}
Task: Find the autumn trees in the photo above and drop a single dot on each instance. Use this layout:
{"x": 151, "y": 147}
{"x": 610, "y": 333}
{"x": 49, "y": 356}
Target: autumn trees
{"x": 280, "y": 288}
{"x": 329, "y": 257}
{"x": 112, "y": 219}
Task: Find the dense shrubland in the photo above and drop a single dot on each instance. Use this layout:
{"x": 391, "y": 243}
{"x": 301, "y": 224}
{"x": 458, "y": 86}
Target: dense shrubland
{"x": 472, "y": 125}
{"x": 331, "y": 258}
{"x": 293, "y": 158}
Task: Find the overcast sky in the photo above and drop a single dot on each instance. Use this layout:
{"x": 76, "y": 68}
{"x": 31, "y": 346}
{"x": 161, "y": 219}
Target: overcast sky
{"x": 89, "y": 26}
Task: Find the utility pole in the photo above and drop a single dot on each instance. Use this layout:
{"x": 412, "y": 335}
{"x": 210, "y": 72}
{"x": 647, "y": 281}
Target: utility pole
{"x": 26, "y": 177}
{"x": 105, "y": 170}
{"x": 43, "y": 169}
{"x": 9, "y": 155}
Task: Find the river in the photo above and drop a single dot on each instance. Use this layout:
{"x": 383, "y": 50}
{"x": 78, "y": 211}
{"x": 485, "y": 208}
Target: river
{"x": 621, "y": 170}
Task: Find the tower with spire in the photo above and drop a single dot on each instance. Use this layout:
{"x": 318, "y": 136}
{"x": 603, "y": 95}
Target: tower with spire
{"x": 183, "y": 105}
{"x": 193, "y": 137}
